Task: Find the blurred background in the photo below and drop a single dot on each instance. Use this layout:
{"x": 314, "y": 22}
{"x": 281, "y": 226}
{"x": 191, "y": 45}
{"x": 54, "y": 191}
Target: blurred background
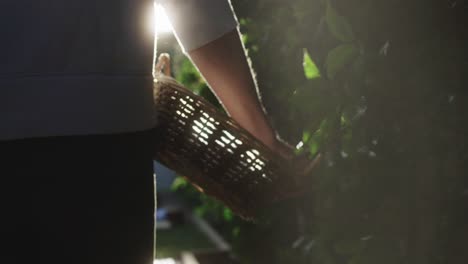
{"x": 379, "y": 87}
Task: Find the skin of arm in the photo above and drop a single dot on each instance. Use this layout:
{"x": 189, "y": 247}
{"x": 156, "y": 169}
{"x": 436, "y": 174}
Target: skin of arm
{"x": 224, "y": 66}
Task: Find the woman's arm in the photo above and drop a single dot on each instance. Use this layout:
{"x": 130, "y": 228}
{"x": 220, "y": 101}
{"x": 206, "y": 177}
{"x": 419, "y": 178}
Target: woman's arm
{"x": 224, "y": 65}
{"x": 207, "y": 30}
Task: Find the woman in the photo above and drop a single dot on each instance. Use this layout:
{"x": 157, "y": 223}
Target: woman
{"x": 76, "y": 114}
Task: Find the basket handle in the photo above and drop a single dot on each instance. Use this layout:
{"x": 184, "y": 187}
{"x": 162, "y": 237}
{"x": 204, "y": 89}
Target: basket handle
{"x": 163, "y": 66}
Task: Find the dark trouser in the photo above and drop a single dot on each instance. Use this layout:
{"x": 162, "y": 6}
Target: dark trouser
{"x": 80, "y": 199}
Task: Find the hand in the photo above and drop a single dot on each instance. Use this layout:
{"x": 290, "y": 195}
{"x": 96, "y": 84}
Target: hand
{"x": 301, "y": 165}
{"x": 283, "y": 149}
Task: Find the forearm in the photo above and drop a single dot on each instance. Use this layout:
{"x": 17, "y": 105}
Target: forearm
{"x": 223, "y": 64}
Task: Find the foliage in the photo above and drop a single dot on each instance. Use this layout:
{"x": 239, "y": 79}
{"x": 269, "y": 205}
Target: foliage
{"x": 310, "y": 69}
{"x": 379, "y": 88}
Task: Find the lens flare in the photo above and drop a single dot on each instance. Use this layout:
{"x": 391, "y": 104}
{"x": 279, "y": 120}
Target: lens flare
{"x": 160, "y": 20}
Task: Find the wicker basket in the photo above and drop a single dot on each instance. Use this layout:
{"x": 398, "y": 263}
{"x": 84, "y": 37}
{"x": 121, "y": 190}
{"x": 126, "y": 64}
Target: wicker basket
{"x": 214, "y": 153}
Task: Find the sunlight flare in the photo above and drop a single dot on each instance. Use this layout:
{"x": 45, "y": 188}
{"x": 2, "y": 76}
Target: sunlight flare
{"x": 160, "y": 21}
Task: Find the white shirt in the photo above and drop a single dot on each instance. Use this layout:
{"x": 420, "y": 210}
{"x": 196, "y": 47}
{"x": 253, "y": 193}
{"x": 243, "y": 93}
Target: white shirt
{"x": 82, "y": 67}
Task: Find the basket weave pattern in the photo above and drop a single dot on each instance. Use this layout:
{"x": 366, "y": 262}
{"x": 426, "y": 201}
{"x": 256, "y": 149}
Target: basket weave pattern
{"x": 210, "y": 149}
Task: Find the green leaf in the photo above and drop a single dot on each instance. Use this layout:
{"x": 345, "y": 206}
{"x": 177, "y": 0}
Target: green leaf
{"x": 305, "y": 136}
{"x": 227, "y": 214}
{"x": 313, "y": 147}
{"x": 338, "y": 26}
{"x": 245, "y": 38}
{"x": 178, "y": 183}
{"x": 310, "y": 69}
{"x": 339, "y": 57}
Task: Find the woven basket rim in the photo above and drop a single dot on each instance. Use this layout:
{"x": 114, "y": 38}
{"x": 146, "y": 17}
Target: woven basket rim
{"x": 209, "y": 107}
